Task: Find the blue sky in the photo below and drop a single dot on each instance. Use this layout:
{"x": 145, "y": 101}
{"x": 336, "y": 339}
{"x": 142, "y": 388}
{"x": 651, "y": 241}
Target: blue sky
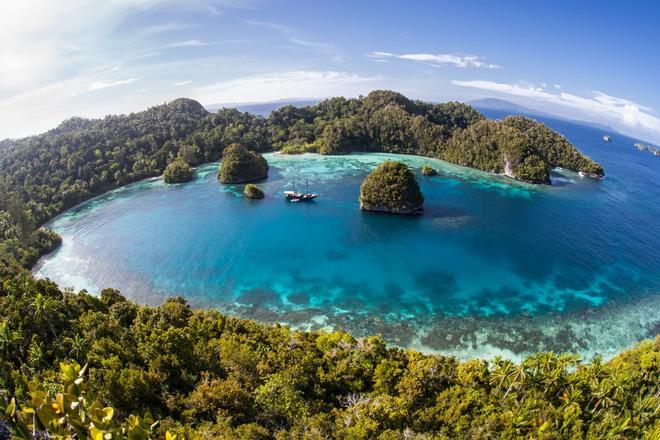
{"x": 582, "y": 60}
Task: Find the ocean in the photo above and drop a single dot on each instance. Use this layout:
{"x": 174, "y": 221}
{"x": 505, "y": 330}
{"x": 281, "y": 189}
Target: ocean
{"x": 492, "y": 267}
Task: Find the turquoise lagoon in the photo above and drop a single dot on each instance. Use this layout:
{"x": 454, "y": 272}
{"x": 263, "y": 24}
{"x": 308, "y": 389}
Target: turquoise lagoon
{"x": 492, "y": 266}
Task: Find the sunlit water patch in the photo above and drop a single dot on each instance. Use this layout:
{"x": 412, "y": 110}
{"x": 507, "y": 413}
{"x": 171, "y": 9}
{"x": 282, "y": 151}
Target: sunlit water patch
{"x": 491, "y": 267}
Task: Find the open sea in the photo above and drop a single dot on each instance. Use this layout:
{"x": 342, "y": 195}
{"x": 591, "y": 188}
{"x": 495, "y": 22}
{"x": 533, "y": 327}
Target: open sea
{"x": 492, "y": 267}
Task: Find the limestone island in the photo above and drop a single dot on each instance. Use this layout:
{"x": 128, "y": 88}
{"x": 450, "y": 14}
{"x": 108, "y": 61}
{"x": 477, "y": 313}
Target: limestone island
{"x": 252, "y": 191}
{"x": 386, "y": 121}
{"x": 428, "y": 170}
{"x": 391, "y": 188}
{"x": 240, "y": 165}
{"x": 178, "y": 171}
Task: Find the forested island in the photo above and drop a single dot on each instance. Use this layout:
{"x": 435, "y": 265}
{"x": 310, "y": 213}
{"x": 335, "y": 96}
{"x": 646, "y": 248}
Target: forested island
{"x": 391, "y": 188}
{"x": 205, "y": 375}
{"x": 240, "y": 165}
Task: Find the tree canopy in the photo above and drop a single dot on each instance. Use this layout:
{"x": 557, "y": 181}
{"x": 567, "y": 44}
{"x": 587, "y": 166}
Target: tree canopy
{"x": 206, "y": 375}
{"x": 240, "y": 165}
{"x": 391, "y": 188}
{"x": 178, "y": 171}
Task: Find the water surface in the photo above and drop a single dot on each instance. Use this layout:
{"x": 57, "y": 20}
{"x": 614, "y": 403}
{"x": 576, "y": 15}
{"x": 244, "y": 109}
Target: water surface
{"x": 492, "y": 266}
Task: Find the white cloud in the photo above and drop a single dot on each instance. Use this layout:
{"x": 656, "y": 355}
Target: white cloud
{"x": 52, "y": 53}
{"x": 182, "y": 83}
{"x": 187, "y": 43}
{"x": 437, "y": 60}
{"x": 104, "y": 84}
{"x": 623, "y": 113}
{"x": 378, "y": 54}
{"x": 293, "y": 84}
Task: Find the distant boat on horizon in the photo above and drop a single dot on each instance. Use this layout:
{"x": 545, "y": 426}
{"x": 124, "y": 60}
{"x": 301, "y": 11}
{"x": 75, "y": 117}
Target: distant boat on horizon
{"x": 607, "y": 138}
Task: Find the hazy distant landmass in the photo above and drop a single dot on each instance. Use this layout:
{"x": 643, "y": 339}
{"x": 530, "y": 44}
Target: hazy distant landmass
{"x": 262, "y": 108}
{"x": 513, "y": 108}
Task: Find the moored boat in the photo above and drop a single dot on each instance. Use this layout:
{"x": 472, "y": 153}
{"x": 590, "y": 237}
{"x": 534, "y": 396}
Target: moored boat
{"x": 296, "y": 196}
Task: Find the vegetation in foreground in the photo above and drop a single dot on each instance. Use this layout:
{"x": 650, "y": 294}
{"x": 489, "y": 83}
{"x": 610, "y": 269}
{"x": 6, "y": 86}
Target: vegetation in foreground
{"x": 205, "y": 375}
{"x": 240, "y": 165}
{"x": 391, "y": 188}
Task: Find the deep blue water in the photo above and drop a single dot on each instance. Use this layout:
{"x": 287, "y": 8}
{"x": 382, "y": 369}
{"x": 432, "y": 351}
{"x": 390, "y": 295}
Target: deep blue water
{"x": 492, "y": 266}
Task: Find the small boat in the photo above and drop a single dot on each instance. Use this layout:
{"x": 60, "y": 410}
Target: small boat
{"x": 607, "y": 138}
{"x": 295, "y": 196}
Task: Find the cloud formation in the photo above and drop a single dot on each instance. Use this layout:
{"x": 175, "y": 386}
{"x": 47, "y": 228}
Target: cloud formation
{"x": 187, "y": 43}
{"x": 103, "y": 84}
{"x": 437, "y": 60}
{"x": 625, "y": 112}
{"x": 284, "y": 85}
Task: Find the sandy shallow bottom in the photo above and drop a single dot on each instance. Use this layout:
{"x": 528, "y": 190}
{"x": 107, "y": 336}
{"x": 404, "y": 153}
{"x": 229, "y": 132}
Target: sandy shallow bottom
{"x": 603, "y": 331}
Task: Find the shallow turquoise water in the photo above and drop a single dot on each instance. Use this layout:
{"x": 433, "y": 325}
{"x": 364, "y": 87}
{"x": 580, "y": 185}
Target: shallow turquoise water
{"x": 493, "y": 266}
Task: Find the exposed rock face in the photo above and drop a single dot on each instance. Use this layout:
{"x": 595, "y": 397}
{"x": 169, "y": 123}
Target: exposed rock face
{"x": 252, "y": 191}
{"x": 240, "y": 165}
{"x": 391, "y": 188}
{"x": 508, "y": 172}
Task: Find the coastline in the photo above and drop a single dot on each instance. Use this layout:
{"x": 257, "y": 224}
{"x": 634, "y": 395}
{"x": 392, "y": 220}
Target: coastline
{"x": 467, "y": 337}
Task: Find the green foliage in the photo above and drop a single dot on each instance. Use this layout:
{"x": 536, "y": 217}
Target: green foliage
{"x": 71, "y": 413}
{"x": 252, "y": 191}
{"x": 391, "y": 187}
{"x": 240, "y": 165}
{"x": 553, "y": 147}
{"x": 205, "y": 375}
{"x": 177, "y": 171}
{"x": 301, "y": 148}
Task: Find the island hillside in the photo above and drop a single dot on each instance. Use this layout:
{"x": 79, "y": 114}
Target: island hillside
{"x": 391, "y": 188}
{"x": 240, "y": 165}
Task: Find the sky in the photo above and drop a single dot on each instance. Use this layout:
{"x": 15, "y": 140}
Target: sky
{"x": 591, "y": 61}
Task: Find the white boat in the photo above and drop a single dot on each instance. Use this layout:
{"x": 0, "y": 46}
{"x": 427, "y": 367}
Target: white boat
{"x": 296, "y": 196}
{"x": 607, "y": 138}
